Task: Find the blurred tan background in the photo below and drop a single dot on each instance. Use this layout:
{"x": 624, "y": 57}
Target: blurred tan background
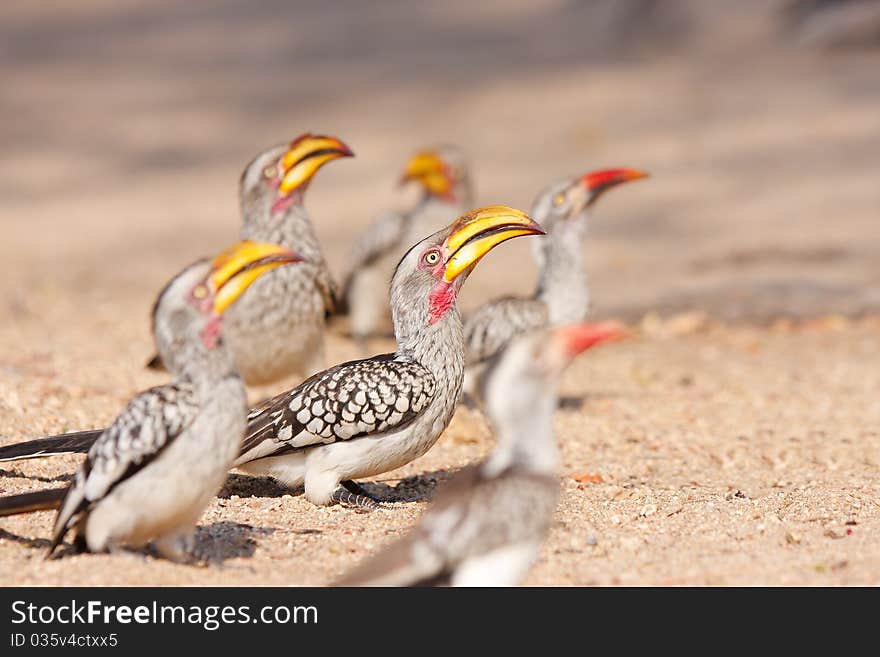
{"x": 703, "y": 452}
{"x": 125, "y": 127}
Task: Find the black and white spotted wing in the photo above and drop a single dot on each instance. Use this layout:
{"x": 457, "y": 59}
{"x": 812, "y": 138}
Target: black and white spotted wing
{"x": 148, "y": 424}
{"x": 350, "y": 400}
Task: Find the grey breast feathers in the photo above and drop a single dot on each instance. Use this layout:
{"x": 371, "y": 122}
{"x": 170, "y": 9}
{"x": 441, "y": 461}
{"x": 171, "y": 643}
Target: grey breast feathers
{"x": 485, "y": 513}
{"x": 472, "y": 516}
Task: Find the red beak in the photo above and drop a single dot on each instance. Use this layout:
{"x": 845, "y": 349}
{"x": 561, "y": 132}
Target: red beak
{"x": 598, "y": 181}
{"x": 580, "y": 337}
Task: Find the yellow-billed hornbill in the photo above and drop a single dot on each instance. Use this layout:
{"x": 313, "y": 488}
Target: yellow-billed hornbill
{"x": 277, "y": 329}
{"x": 151, "y": 473}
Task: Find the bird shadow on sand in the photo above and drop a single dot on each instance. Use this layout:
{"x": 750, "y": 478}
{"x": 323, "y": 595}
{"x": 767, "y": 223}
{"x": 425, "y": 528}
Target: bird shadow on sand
{"x": 245, "y": 486}
{"x": 578, "y": 402}
{"x": 225, "y": 540}
{"x": 35, "y": 543}
{"x": 214, "y": 545}
{"x": 14, "y": 474}
{"x": 417, "y": 488}
{"x": 470, "y": 402}
{"x": 572, "y": 403}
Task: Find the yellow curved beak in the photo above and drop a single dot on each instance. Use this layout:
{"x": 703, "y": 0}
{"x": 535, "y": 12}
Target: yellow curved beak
{"x": 234, "y": 270}
{"x": 430, "y": 171}
{"x": 305, "y": 156}
{"x": 479, "y": 231}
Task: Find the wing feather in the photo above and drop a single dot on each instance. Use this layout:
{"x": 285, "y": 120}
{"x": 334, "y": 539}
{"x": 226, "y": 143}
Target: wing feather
{"x": 354, "y": 399}
{"x": 148, "y": 424}
{"x": 488, "y": 330}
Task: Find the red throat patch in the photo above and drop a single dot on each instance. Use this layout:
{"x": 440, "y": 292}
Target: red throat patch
{"x": 440, "y": 301}
{"x": 211, "y": 332}
{"x": 282, "y": 204}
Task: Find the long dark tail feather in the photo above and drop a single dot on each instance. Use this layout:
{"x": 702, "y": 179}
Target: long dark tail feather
{"x": 155, "y": 363}
{"x": 77, "y": 441}
{"x": 40, "y": 500}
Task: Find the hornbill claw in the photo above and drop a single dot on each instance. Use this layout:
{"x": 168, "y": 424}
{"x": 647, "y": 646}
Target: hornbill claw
{"x": 360, "y": 503}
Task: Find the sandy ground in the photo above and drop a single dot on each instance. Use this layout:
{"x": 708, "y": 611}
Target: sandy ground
{"x": 692, "y": 455}
{"x": 743, "y": 452}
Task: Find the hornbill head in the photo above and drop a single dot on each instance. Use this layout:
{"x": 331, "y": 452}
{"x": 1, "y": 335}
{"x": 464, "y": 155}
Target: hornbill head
{"x": 568, "y": 200}
{"x": 281, "y": 174}
{"x": 235, "y": 269}
{"x": 441, "y": 172}
{"x": 190, "y": 308}
{"x": 529, "y": 368}
{"x": 429, "y": 276}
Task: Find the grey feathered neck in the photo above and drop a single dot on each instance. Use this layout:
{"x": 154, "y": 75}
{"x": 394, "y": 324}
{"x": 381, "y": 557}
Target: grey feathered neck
{"x": 205, "y": 367}
{"x": 179, "y": 340}
{"x": 290, "y": 228}
{"x": 439, "y": 346}
{"x": 562, "y": 284}
{"x": 520, "y": 398}
{"x": 525, "y": 440}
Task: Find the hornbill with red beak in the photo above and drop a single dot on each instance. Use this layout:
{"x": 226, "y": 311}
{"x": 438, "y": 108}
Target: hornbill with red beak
{"x": 486, "y": 525}
{"x": 562, "y": 295}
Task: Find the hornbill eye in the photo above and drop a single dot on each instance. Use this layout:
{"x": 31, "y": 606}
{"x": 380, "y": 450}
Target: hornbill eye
{"x": 432, "y": 257}
{"x": 200, "y": 292}
{"x": 271, "y": 172}
{"x": 558, "y": 200}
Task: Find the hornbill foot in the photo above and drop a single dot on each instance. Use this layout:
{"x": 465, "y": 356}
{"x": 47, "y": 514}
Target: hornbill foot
{"x": 357, "y": 489}
{"x": 360, "y": 503}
